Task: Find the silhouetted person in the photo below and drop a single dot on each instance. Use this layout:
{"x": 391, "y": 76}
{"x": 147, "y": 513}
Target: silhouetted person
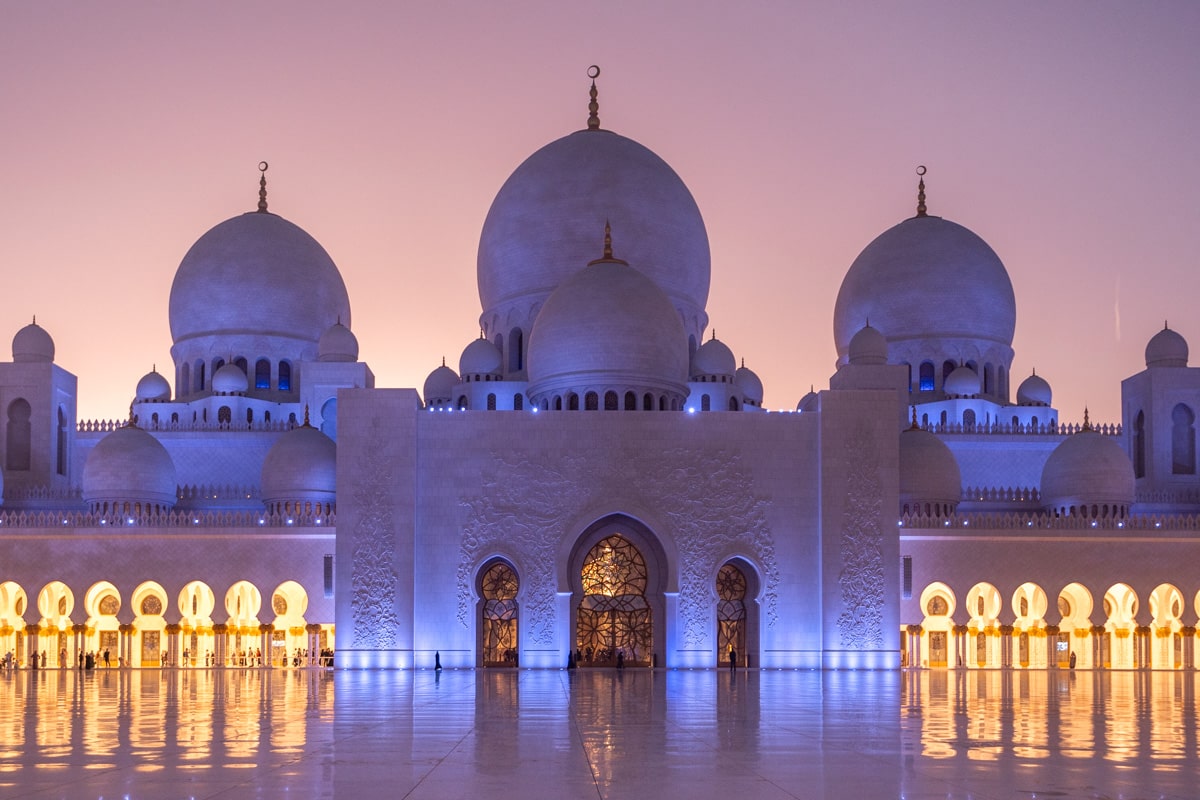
{"x": 732, "y": 659}
{"x": 620, "y": 659}
{"x": 437, "y": 660}
{"x": 1072, "y": 660}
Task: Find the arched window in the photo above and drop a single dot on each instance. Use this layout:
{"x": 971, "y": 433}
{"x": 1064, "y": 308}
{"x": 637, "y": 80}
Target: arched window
{"x": 1183, "y": 441}
{"x": 572, "y": 402}
{"x": 491, "y": 402}
{"x": 285, "y": 376}
{"x": 1001, "y": 383}
{"x": 249, "y": 416}
{"x": 19, "y": 439}
{"x": 705, "y": 403}
{"x": 591, "y": 401}
{"x": 926, "y": 376}
{"x": 557, "y": 403}
{"x": 262, "y": 374}
{"x": 498, "y": 587}
{"x": 217, "y": 364}
{"x": 613, "y": 615}
{"x": 199, "y": 376}
{"x": 1139, "y": 445}
{"x": 185, "y": 379}
{"x": 462, "y": 402}
{"x": 630, "y": 401}
{"x": 224, "y": 415}
{"x": 516, "y": 350}
{"x": 969, "y": 418}
{"x": 648, "y": 402}
{"x": 611, "y": 401}
{"x": 240, "y": 363}
{"x": 731, "y": 614}
{"x": 733, "y": 404}
{"x": 988, "y": 379}
{"x": 329, "y": 418}
{"x": 61, "y": 443}
{"x": 518, "y": 402}
{"x": 947, "y": 368}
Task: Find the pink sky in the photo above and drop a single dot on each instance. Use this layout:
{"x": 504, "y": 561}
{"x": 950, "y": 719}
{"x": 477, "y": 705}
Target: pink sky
{"x": 1064, "y": 134}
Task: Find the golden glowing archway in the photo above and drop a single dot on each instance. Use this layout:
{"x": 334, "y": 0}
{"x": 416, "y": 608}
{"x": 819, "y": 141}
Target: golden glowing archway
{"x": 196, "y": 605}
{"x": 1029, "y": 606}
{"x": 1075, "y": 626}
{"x": 1120, "y": 610}
{"x": 1166, "y": 642}
{"x": 149, "y": 602}
{"x": 984, "y": 605}
{"x": 101, "y": 602}
{"x": 498, "y": 587}
{"x": 937, "y": 626}
{"x": 614, "y": 617}
{"x": 289, "y": 602}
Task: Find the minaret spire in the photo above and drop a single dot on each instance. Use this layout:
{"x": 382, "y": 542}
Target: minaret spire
{"x": 608, "y": 257}
{"x": 262, "y": 187}
{"x": 593, "y": 106}
{"x": 921, "y": 192}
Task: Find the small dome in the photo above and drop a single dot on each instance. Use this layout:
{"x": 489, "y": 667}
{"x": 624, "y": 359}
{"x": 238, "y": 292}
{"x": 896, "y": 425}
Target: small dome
{"x": 1167, "y": 349}
{"x": 868, "y": 346}
{"x": 152, "y": 388}
{"x": 230, "y": 379}
{"x": 32, "y": 345}
{"x": 480, "y": 357}
{"x": 439, "y": 386}
{"x": 129, "y": 466}
{"x": 1086, "y": 470}
{"x": 337, "y": 343}
{"x": 929, "y": 473}
{"x": 750, "y": 385}
{"x": 713, "y": 358}
{"x": 608, "y": 326}
{"x": 962, "y": 382}
{"x": 1034, "y": 391}
{"x": 808, "y": 402}
{"x": 301, "y": 466}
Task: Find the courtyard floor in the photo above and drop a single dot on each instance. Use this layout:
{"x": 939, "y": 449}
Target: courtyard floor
{"x": 598, "y": 734}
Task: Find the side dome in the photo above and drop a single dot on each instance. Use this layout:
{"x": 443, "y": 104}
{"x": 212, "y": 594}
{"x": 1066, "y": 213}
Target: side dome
{"x": 868, "y": 346}
{"x": 337, "y": 343}
{"x": 439, "y": 386}
{"x": 808, "y": 402}
{"x": 152, "y": 388}
{"x": 1088, "y": 475}
{"x": 962, "y": 382}
{"x": 713, "y": 358}
{"x": 935, "y": 289}
{"x": 256, "y": 275}
{"x": 128, "y": 467}
{"x": 480, "y": 357}
{"x": 1167, "y": 349}
{"x": 541, "y": 227}
{"x": 608, "y": 328}
{"x": 750, "y": 384}
{"x": 230, "y": 379}
{"x": 930, "y": 480}
{"x": 300, "y": 472}
{"x": 32, "y": 344}
{"x": 1034, "y": 391}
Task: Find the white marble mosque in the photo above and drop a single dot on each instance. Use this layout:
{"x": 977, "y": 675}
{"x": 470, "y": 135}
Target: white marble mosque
{"x": 599, "y": 478}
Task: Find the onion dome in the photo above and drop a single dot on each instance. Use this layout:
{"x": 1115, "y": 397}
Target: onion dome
{"x": 868, "y": 346}
{"x": 748, "y": 382}
{"x": 1034, "y": 391}
{"x": 808, "y": 402}
{"x": 337, "y": 343}
{"x": 713, "y": 358}
{"x": 301, "y": 467}
{"x": 541, "y": 225}
{"x": 962, "y": 382}
{"x": 439, "y": 386}
{"x": 480, "y": 357}
{"x": 230, "y": 379}
{"x": 32, "y": 344}
{"x": 608, "y": 327}
{"x": 152, "y": 388}
{"x": 1089, "y": 475}
{"x": 930, "y": 480}
{"x": 126, "y": 467}
{"x": 934, "y": 288}
{"x": 1166, "y": 349}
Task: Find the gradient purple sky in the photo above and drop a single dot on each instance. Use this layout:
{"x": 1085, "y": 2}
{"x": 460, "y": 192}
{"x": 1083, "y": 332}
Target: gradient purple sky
{"x": 1064, "y": 134}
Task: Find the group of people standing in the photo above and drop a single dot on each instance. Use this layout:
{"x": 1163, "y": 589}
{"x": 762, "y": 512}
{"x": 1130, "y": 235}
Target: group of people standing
{"x": 38, "y": 660}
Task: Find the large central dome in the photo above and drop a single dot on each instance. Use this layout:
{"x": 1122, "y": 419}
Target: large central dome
{"x": 257, "y": 274}
{"x": 542, "y": 225}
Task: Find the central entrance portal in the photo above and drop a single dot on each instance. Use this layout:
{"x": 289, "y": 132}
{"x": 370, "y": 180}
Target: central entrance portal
{"x": 614, "y": 618}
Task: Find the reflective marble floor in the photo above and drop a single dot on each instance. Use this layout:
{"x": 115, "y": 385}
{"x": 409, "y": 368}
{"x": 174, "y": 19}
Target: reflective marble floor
{"x": 598, "y": 734}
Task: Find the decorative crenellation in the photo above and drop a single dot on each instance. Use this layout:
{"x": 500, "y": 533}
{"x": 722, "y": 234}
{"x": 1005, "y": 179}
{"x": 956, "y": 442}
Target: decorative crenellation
{"x": 372, "y": 539}
{"x": 173, "y": 519}
{"x": 1042, "y": 428}
{"x": 526, "y": 502}
{"x": 147, "y": 423}
{"x": 986, "y": 522}
{"x": 1001, "y": 494}
{"x": 860, "y": 625}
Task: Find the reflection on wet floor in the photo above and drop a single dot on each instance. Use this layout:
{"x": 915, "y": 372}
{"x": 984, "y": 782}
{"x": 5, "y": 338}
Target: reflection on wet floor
{"x": 599, "y": 733}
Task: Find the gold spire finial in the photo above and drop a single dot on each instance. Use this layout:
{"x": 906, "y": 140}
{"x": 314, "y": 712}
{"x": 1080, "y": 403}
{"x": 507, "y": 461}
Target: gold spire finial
{"x": 1087, "y": 424}
{"x": 921, "y": 192}
{"x": 262, "y": 187}
{"x": 443, "y": 361}
{"x": 915, "y": 426}
{"x": 306, "y": 425}
{"x": 593, "y": 106}
{"x": 607, "y": 241}
{"x": 35, "y": 319}
{"x": 714, "y": 336}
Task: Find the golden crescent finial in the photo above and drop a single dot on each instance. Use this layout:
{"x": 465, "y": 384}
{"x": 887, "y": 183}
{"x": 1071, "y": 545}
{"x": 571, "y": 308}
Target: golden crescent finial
{"x": 593, "y": 106}
{"x": 262, "y": 186}
{"x": 921, "y": 191}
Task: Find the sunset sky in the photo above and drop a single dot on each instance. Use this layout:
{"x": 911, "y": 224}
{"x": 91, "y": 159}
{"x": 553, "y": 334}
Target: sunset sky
{"x": 1064, "y": 134}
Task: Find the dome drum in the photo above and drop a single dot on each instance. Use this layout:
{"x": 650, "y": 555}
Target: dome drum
{"x": 275, "y": 352}
{"x": 129, "y": 471}
{"x": 1088, "y": 475}
{"x": 670, "y": 398}
{"x": 300, "y": 471}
